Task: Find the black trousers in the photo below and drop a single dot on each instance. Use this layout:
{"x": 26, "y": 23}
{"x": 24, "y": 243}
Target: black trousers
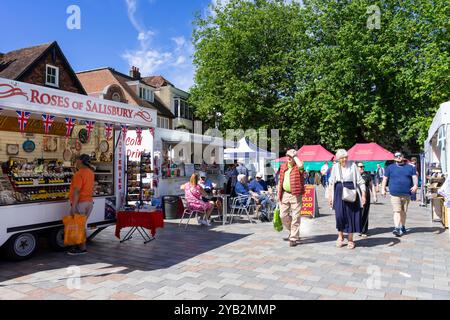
{"x": 365, "y": 215}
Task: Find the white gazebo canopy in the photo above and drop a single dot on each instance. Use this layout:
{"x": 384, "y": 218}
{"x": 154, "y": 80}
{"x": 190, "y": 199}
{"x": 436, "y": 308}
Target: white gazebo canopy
{"x": 441, "y": 118}
{"x": 247, "y": 150}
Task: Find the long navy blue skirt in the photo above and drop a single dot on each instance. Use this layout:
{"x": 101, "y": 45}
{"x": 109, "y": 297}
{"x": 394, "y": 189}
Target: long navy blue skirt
{"x": 348, "y": 214}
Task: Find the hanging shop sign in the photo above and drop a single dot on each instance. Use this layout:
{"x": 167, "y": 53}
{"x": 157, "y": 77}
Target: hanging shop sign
{"x": 136, "y": 146}
{"x": 32, "y": 98}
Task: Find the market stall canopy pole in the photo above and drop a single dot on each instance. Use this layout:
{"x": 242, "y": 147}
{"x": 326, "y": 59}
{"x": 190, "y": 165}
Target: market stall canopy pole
{"x": 369, "y": 152}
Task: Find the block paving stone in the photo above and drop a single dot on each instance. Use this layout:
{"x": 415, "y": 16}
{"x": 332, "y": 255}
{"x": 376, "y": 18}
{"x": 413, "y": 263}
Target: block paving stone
{"x": 245, "y": 261}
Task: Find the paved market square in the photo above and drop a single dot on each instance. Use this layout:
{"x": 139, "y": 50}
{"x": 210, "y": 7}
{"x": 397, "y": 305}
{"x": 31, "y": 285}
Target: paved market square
{"x": 246, "y": 261}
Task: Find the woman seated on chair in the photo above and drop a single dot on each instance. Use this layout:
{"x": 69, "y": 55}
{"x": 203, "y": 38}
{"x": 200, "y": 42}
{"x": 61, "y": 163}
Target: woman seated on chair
{"x": 194, "y": 193}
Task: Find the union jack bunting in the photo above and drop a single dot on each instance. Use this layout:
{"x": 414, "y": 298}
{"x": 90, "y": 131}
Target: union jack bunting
{"x": 89, "y": 127}
{"x": 70, "y": 124}
{"x": 48, "y": 121}
{"x": 22, "y": 117}
{"x": 124, "y": 131}
{"x": 108, "y": 130}
{"x": 139, "y": 133}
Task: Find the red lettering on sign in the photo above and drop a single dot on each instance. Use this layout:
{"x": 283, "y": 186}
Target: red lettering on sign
{"x": 308, "y": 201}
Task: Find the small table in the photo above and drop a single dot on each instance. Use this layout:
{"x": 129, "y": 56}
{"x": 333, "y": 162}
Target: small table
{"x": 224, "y": 198}
{"x": 138, "y": 220}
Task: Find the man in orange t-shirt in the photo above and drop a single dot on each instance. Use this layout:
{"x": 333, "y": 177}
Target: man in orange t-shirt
{"x": 80, "y": 195}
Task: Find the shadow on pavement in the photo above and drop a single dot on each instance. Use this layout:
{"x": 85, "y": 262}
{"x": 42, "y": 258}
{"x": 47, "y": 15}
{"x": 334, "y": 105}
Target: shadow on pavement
{"x": 360, "y": 242}
{"x": 375, "y": 242}
{"x": 436, "y": 230}
{"x": 172, "y": 245}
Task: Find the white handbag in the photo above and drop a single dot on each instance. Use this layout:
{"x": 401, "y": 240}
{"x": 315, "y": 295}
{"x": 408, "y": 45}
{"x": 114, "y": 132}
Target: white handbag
{"x": 348, "y": 195}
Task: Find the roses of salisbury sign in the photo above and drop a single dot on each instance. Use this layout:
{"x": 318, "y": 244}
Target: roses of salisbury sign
{"x": 37, "y": 99}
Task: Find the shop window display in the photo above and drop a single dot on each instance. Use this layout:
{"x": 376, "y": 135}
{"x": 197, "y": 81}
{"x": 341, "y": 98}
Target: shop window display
{"x": 43, "y": 167}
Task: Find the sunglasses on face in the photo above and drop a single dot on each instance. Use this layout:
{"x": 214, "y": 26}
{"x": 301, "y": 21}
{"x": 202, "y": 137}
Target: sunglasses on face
{"x": 361, "y": 167}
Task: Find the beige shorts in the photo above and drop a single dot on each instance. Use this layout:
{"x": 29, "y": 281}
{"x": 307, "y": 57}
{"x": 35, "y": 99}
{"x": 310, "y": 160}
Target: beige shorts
{"x": 85, "y": 208}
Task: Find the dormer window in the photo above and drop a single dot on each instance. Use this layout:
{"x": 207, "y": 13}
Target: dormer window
{"x": 182, "y": 109}
{"x": 145, "y": 94}
{"x": 116, "y": 97}
{"x": 52, "y": 76}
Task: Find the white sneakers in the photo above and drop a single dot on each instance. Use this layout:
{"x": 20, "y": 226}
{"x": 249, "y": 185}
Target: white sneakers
{"x": 204, "y": 222}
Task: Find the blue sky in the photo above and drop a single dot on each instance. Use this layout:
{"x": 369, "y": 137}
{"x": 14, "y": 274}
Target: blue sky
{"x": 154, "y": 35}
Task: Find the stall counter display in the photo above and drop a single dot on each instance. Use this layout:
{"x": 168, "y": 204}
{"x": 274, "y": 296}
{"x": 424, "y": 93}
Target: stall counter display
{"x": 435, "y": 180}
{"x": 36, "y": 181}
{"x": 104, "y": 178}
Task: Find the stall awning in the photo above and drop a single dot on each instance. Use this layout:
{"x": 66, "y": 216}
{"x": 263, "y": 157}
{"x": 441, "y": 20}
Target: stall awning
{"x": 313, "y": 157}
{"x": 369, "y": 152}
{"x": 314, "y": 153}
{"x": 16, "y": 95}
{"x": 247, "y": 150}
{"x": 442, "y": 117}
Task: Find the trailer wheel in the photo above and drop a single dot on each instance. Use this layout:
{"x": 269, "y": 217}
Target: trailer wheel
{"x": 21, "y": 246}
{"x": 56, "y": 239}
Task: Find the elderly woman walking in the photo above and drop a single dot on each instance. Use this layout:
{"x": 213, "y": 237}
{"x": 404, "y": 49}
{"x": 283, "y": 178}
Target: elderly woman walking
{"x": 347, "y": 197}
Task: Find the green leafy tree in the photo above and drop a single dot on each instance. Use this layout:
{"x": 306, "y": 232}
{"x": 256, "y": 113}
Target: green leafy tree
{"x": 320, "y": 73}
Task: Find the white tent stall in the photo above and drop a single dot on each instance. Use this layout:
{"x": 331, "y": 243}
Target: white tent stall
{"x": 437, "y": 161}
{"x": 254, "y": 157}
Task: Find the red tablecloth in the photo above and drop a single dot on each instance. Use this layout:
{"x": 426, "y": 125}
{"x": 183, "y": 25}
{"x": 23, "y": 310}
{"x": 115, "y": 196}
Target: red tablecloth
{"x": 144, "y": 219}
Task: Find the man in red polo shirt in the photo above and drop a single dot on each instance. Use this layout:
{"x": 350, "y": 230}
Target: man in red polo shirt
{"x": 291, "y": 187}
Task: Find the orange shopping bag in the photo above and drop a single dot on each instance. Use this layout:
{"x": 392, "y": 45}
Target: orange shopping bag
{"x": 74, "y": 229}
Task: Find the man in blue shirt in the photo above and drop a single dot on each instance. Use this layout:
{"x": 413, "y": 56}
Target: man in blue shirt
{"x": 205, "y": 183}
{"x": 258, "y": 184}
{"x": 403, "y": 181}
{"x": 242, "y": 188}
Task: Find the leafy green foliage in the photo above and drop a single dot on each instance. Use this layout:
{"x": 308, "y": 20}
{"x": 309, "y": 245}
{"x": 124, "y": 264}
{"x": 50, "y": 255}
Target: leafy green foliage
{"x": 319, "y": 74}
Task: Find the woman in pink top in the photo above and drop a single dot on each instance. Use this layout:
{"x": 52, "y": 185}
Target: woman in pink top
{"x": 194, "y": 193}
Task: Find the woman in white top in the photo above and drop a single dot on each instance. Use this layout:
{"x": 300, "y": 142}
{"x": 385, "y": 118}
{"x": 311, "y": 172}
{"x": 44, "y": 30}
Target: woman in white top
{"x": 348, "y": 213}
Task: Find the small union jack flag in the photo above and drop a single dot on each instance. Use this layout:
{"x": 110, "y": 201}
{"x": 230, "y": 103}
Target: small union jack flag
{"x": 139, "y": 133}
{"x": 89, "y": 127}
{"x": 152, "y": 131}
{"x": 70, "y": 124}
{"x": 124, "y": 131}
{"x": 48, "y": 121}
{"x": 108, "y": 130}
{"x": 22, "y": 117}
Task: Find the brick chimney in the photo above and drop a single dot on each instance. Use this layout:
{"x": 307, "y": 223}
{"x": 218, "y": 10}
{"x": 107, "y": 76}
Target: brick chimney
{"x": 134, "y": 73}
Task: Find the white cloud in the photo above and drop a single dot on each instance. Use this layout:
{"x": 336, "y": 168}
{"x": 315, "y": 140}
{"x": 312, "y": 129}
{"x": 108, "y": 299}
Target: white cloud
{"x": 145, "y": 36}
{"x": 173, "y": 62}
{"x": 148, "y": 61}
{"x": 179, "y": 41}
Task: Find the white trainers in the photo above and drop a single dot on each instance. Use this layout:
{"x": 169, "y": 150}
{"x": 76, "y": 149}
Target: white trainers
{"x": 207, "y": 223}
{"x": 201, "y": 221}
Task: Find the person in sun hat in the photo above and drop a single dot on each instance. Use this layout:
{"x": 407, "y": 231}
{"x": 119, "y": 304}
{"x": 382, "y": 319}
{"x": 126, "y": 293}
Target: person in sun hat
{"x": 291, "y": 187}
{"x": 402, "y": 181}
{"x": 81, "y": 194}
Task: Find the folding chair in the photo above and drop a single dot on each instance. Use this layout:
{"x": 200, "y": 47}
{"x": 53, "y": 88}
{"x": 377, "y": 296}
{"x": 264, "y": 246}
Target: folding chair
{"x": 190, "y": 212}
{"x": 239, "y": 205}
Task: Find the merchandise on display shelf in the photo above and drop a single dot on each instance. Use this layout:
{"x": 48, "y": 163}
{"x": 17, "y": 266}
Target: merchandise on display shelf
{"x": 35, "y": 181}
{"x": 139, "y": 189}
